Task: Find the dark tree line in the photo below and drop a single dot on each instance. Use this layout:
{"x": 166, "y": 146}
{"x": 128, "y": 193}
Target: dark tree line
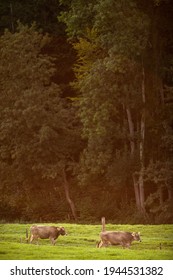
{"x": 86, "y": 110}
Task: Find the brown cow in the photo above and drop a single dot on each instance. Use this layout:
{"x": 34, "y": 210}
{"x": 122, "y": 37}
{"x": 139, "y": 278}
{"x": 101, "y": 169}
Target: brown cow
{"x": 45, "y": 232}
{"x": 117, "y": 237}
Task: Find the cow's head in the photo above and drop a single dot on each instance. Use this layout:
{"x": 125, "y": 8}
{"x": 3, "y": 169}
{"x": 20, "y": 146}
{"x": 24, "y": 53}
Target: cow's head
{"x": 62, "y": 231}
{"x": 136, "y": 236}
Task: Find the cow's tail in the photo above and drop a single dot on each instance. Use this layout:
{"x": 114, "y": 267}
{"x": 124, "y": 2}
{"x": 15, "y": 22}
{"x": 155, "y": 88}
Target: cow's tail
{"x": 27, "y": 236}
{"x": 103, "y": 224}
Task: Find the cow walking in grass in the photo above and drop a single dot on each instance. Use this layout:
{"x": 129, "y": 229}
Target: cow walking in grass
{"x": 117, "y": 237}
{"x": 46, "y": 232}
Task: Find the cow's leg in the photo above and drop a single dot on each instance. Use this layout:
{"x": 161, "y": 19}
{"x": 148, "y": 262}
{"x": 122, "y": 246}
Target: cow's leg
{"x": 31, "y": 238}
{"x": 103, "y": 243}
{"x": 125, "y": 245}
{"x": 53, "y": 241}
{"x": 107, "y": 243}
{"x": 100, "y": 244}
{"x": 128, "y": 245}
{"x": 34, "y": 238}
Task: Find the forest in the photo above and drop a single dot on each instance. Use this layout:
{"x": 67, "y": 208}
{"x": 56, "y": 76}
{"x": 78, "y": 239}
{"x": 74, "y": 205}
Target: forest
{"x": 86, "y": 102}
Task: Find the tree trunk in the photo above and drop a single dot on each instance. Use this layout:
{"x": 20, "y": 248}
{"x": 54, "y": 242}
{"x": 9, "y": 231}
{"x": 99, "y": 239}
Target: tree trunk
{"x": 141, "y": 192}
{"x": 138, "y": 183}
{"x": 131, "y": 131}
{"x": 69, "y": 200}
{"x": 141, "y": 147}
{"x": 137, "y": 195}
{"x": 141, "y": 175}
{"x": 161, "y": 195}
{"x": 132, "y": 151}
{"x": 169, "y": 193}
{"x": 12, "y": 17}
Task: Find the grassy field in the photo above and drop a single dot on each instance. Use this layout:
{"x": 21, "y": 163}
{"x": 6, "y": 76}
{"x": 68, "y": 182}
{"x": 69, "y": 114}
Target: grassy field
{"x": 80, "y": 244}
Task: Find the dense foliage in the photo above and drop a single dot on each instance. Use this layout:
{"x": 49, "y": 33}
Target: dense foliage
{"x": 86, "y": 110}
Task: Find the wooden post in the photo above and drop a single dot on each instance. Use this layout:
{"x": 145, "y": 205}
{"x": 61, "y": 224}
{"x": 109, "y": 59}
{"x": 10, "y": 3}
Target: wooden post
{"x": 103, "y": 223}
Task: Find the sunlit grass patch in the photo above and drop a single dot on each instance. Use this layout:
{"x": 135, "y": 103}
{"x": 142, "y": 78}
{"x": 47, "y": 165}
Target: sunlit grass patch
{"x": 80, "y": 243}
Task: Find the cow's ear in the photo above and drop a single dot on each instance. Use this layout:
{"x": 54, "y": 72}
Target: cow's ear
{"x": 133, "y": 233}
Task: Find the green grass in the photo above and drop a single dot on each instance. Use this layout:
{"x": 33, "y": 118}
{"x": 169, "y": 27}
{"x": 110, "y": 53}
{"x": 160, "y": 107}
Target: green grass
{"x": 80, "y": 244}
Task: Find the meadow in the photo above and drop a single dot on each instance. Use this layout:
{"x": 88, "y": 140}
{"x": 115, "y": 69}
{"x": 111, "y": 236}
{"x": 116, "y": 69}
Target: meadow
{"x": 80, "y": 243}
